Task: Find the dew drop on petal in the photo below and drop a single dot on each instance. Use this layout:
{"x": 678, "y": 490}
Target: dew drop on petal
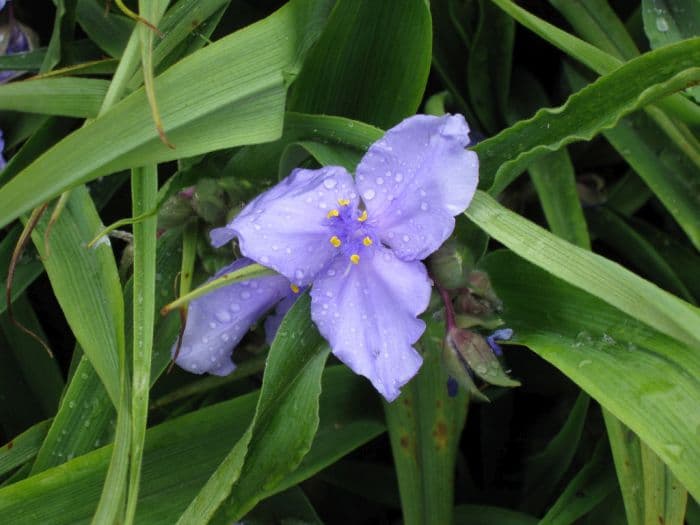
{"x": 369, "y": 194}
{"x": 234, "y": 307}
{"x": 398, "y": 177}
{"x": 329, "y": 183}
{"x": 257, "y": 226}
{"x": 424, "y": 206}
{"x": 223, "y": 316}
{"x": 330, "y": 272}
{"x": 406, "y": 238}
{"x": 212, "y": 325}
{"x": 245, "y": 294}
{"x": 380, "y": 181}
{"x": 264, "y": 259}
{"x": 299, "y": 274}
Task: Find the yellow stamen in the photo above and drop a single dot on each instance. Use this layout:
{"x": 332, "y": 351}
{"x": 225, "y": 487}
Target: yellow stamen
{"x": 333, "y": 213}
{"x": 354, "y": 258}
{"x": 363, "y": 217}
{"x": 294, "y": 288}
{"x": 367, "y": 241}
{"x": 343, "y": 202}
{"x": 335, "y": 241}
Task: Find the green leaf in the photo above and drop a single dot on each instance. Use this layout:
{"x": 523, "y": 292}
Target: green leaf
{"x": 596, "y": 21}
{"x": 645, "y": 379}
{"x": 485, "y": 515}
{"x": 553, "y": 174}
{"x": 635, "y": 250}
{"x": 86, "y": 284}
{"x": 424, "y": 426}
{"x": 590, "y": 272}
{"x": 596, "y": 107}
{"x": 588, "y": 489}
{"x": 182, "y": 453}
{"x": 650, "y": 491}
{"x": 108, "y": 30}
{"x": 663, "y": 166}
{"x": 670, "y": 21}
{"x": 203, "y": 108}
{"x": 22, "y": 448}
{"x": 370, "y": 64}
{"x": 286, "y": 418}
{"x": 545, "y": 470}
{"x": 489, "y": 66}
{"x": 28, "y": 268}
{"x": 70, "y": 97}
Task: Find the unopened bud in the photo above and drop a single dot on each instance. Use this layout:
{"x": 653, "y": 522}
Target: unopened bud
{"x": 467, "y": 352}
{"x": 480, "y": 284}
{"x": 450, "y": 265}
{"x": 208, "y": 201}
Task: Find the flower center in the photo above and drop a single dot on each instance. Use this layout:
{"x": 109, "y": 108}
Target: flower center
{"x": 351, "y": 233}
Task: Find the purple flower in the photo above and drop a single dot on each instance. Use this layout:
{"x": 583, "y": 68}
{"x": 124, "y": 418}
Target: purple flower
{"x": 218, "y": 321}
{"x": 358, "y": 243}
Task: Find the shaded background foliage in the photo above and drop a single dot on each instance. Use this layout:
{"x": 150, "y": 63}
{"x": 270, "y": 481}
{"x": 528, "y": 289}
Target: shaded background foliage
{"x": 605, "y": 427}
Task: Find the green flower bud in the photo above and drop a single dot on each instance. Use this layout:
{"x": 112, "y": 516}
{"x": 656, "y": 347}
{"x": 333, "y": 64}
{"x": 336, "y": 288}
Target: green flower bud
{"x": 450, "y": 265}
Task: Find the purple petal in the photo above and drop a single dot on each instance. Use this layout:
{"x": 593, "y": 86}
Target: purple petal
{"x": 217, "y": 321}
{"x": 287, "y": 228}
{"x": 415, "y": 180}
{"x": 367, "y": 312}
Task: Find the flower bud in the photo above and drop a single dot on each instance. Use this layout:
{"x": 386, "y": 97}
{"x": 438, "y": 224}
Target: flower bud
{"x": 208, "y": 201}
{"x": 176, "y": 211}
{"x": 480, "y": 284}
{"x": 466, "y": 353}
{"x": 450, "y": 265}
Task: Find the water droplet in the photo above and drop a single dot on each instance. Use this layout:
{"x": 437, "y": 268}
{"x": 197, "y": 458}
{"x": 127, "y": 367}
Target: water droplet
{"x": 264, "y": 259}
{"x": 661, "y": 24}
{"x": 234, "y": 307}
{"x": 245, "y": 294}
{"x": 369, "y": 194}
{"x": 329, "y": 183}
{"x": 585, "y": 362}
{"x": 380, "y": 181}
{"x": 299, "y": 274}
{"x": 330, "y": 272}
{"x": 424, "y": 206}
{"x": 257, "y": 226}
{"x": 223, "y": 316}
{"x": 71, "y": 404}
{"x": 212, "y": 324}
{"x": 405, "y": 238}
{"x": 225, "y": 337}
{"x": 399, "y": 177}
{"x": 329, "y": 294}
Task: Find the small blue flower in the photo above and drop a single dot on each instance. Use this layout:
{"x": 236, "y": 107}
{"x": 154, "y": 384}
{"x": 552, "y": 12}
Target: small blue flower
{"x": 503, "y": 334}
{"x": 358, "y": 243}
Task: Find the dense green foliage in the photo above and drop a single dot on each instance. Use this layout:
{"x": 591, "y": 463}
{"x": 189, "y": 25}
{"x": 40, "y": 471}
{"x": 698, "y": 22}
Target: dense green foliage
{"x": 584, "y": 234}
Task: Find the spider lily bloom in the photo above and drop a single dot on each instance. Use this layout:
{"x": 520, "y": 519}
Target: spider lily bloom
{"x": 216, "y": 322}
{"x": 358, "y": 243}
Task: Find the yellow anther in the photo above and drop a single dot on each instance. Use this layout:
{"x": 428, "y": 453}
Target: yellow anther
{"x": 367, "y": 241}
{"x": 343, "y": 202}
{"x": 354, "y": 258}
{"x": 333, "y": 213}
{"x": 363, "y": 217}
{"x": 294, "y": 288}
{"x": 335, "y": 241}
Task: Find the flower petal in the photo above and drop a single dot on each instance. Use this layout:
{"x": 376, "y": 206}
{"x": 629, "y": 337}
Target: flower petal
{"x": 217, "y": 321}
{"x": 367, "y": 312}
{"x": 287, "y": 228}
{"x": 415, "y": 180}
